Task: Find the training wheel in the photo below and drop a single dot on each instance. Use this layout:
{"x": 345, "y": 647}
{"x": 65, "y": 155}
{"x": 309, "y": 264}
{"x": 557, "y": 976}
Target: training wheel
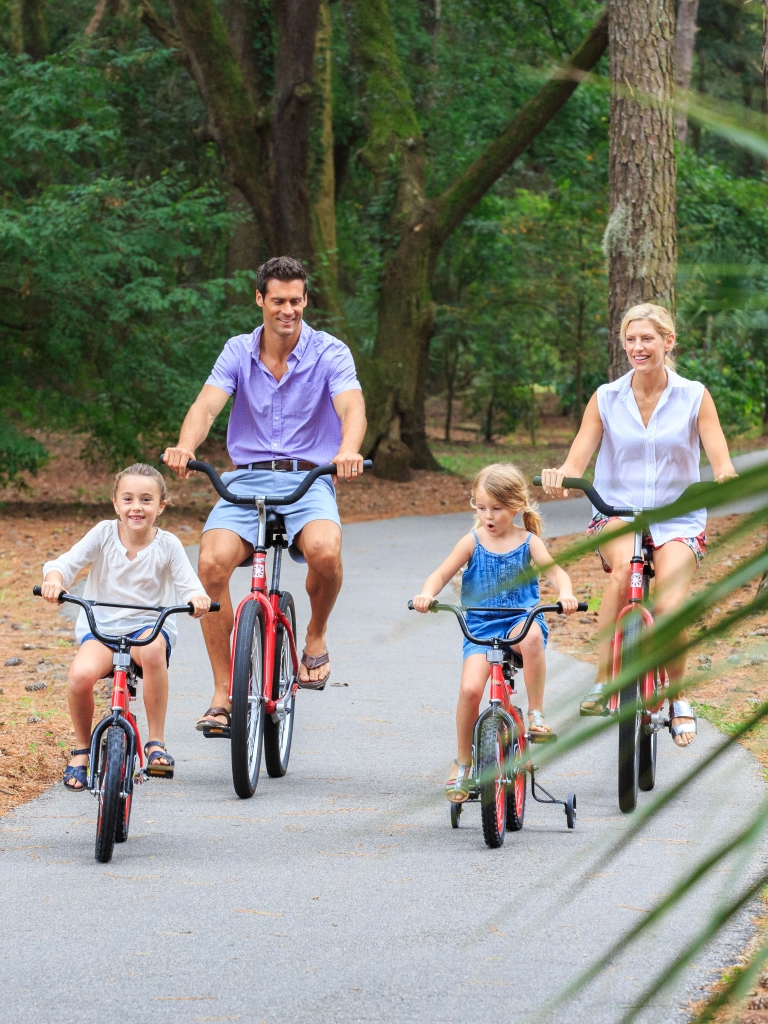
{"x": 455, "y": 815}
{"x": 570, "y": 810}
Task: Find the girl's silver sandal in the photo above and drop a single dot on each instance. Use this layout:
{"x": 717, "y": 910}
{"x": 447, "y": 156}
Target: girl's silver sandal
{"x": 457, "y": 789}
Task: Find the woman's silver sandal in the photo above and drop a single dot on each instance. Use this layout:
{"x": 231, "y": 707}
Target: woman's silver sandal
{"x": 682, "y": 709}
{"x": 457, "y": 789}
{"x": 595, "y": 697}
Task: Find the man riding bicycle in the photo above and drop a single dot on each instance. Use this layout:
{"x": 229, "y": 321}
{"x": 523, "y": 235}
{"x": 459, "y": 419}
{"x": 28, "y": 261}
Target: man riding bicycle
{"x": 297, "y": 404}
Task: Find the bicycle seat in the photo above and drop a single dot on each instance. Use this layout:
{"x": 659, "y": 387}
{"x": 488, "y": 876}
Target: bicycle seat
{"x": 275, "y": 529}
{"x": 514, "y": 659}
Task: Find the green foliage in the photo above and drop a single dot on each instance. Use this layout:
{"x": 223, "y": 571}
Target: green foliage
{"x": 18, "y": 454}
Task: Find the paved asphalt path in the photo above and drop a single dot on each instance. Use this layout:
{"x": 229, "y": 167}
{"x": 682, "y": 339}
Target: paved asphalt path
{"x": 340, "y": 893}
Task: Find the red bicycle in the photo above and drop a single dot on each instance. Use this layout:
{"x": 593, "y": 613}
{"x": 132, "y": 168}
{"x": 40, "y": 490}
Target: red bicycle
{"x": 500, "y": 740}
{"x": 639, "y": 704}
{"x": 265, "y": 664}
{"x": 116, "y": 759}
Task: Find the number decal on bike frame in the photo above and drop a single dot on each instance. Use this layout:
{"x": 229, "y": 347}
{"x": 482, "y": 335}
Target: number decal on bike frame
{"x": 636, "y": 580}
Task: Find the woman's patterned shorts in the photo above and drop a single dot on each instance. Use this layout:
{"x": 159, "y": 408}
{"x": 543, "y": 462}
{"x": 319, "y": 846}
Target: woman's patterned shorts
{"x": 698, "y": 544}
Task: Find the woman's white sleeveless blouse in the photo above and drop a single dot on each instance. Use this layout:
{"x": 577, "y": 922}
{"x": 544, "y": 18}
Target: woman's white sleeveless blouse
{"x": 648, "y": 467}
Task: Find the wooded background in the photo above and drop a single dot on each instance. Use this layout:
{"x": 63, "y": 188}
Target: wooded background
{"x": 479, "y": 187}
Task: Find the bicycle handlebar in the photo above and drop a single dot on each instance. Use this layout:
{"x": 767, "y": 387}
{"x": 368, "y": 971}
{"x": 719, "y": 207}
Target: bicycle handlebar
{"x": 106, "y": 638}
{"x": 578, "y": 484}
{"x": 531, "y": 613}
{"x": 269, "y": 499}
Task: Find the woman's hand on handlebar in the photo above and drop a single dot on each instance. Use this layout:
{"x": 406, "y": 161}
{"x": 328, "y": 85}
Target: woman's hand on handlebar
{"x": 422, "y": 602}
{"x": 201, "y": 603}
{"x": 176, "y": 459}
{"x": 52, "y": 587}
{"x": 552, "y": 482}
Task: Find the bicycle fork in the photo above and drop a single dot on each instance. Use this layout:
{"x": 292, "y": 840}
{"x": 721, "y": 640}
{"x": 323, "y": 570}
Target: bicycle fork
{"x": 120, "y": 718}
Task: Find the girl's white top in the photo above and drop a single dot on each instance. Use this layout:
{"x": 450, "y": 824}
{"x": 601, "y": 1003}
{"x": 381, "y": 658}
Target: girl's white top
{"x": 159, "y": 575}
{"x": 648, "y": 467}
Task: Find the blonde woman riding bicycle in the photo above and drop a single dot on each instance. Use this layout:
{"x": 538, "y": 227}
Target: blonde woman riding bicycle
{"x": 650, "y": 425}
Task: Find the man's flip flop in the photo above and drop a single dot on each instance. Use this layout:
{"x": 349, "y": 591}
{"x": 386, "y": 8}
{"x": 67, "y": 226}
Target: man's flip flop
{"x": 215, "y": 730}
{"x": 310, "y": 661}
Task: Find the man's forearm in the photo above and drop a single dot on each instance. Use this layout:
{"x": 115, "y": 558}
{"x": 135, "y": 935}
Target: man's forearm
{"x": 195, "y": 427}
{"x": 353, "y": 426}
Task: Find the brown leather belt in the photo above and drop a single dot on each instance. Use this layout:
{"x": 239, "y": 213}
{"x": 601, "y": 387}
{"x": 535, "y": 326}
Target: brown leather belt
{"x": 282, "y": 465}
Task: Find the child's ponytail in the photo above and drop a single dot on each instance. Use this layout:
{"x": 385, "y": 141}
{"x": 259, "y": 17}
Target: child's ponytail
{"x": 506, "y": 484}
{"x": 532, "y": 519}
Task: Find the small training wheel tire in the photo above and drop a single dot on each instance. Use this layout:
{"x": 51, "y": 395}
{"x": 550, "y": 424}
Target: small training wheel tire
{"x": 455, "y": 814}
{"x": 570, "y": 810}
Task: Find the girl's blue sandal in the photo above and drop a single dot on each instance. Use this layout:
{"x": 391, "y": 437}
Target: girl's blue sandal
{"x": 76, "y": 773}
{"x": 154, "y": 770}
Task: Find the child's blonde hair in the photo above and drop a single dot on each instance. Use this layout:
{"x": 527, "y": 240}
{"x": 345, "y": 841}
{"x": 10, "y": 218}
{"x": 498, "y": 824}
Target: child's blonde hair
{"x": 142, "y": 469}
{"x": 661, "y": 319}
{"x": 506, "y": 484}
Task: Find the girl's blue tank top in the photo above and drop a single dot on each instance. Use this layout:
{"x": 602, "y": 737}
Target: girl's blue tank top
{"x": 492, "y": 579}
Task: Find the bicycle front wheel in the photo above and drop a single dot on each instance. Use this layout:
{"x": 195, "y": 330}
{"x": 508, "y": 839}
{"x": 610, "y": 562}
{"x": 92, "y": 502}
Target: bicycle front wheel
{"x": 111, "y": 768}
{"x": 630, "y": 724}
{"x": 491, "y": 773}
{"x": 278, "y": 735}
{"x": 516, "y": 789}
{"x": 248, "y": 700}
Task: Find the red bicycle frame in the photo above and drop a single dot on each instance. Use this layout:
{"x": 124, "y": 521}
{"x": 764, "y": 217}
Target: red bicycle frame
{"x": 639, "y": 574}
{"x": 269, "y": 602}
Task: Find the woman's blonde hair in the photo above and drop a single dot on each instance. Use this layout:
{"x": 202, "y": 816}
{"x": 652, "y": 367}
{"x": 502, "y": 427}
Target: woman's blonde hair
{"x": 142, "y": 469}
{"x": 506, "y": 484}
{"x": 661, "y": 319}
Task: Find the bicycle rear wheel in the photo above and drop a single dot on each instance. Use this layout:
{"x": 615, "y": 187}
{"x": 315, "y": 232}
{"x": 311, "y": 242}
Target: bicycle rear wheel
{"x": 630, "y": 724}
{"x": 111, "y": 768}
{"x": 247, "y": 700}
{"x": 278, "y": 735}
{"x": 491, "y": 772}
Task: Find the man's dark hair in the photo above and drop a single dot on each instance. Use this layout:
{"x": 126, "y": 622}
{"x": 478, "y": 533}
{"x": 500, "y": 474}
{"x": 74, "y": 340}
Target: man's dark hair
{"x": 280, "y": 268}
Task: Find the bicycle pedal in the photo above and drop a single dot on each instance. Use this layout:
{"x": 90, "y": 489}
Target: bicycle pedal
{"x": 542, "y": 737}
{"x": 215, "y": 732}
{"x": 155, "y": 773}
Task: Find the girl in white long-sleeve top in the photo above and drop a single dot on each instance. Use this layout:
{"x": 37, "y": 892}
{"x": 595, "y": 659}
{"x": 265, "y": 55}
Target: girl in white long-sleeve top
{"x": 132, "y": 562}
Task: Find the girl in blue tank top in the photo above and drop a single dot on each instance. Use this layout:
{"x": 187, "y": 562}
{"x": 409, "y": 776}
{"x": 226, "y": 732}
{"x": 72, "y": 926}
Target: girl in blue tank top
{"x": 498, "y": 556}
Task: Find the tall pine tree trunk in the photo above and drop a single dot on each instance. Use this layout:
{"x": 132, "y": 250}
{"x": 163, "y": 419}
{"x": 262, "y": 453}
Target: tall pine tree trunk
{"x": 640, "y": 239}
{"x": 685, "y": 43}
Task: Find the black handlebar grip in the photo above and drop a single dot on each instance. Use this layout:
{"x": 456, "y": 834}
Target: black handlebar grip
{"x": 537, "y": 481}
{"x": 367, "y": 463}
{"x": 410, "y": 606}
{"x": 583, "y": 606}
{"x": 37, "y": 591}
{"x": 215, "y": 607}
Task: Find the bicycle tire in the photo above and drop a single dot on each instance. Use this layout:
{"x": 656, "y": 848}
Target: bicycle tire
{"x": 247, "y": 700}
{"x": 455, "y": 814}
{"x": 279, "y": 735}
{"x": 647, "y": 761}
{"x": 516, "y": 790}
{"x": 111, "y": 767}
{"x": 630, "y": 726}
{"x": 491, "y": 771}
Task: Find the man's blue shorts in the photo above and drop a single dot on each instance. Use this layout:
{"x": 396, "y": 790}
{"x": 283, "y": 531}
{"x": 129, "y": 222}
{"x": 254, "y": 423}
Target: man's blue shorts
{"x": 318, "y": 503}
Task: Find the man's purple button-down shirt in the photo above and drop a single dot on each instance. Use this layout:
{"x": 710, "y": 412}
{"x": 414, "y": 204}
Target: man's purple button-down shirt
{"x": 293, "y": 419}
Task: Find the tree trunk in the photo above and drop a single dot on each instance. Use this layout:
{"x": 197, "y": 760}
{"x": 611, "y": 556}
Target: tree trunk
{"x": 296, "y": 22}
{"x": 640, "y": 238}
{"x": 27, "y": 31}
{"x": 685, "y": 43}
{"x": 579, "y": 363}
{"x": 394, "y": 153}
{"x": 322, "y": 186}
